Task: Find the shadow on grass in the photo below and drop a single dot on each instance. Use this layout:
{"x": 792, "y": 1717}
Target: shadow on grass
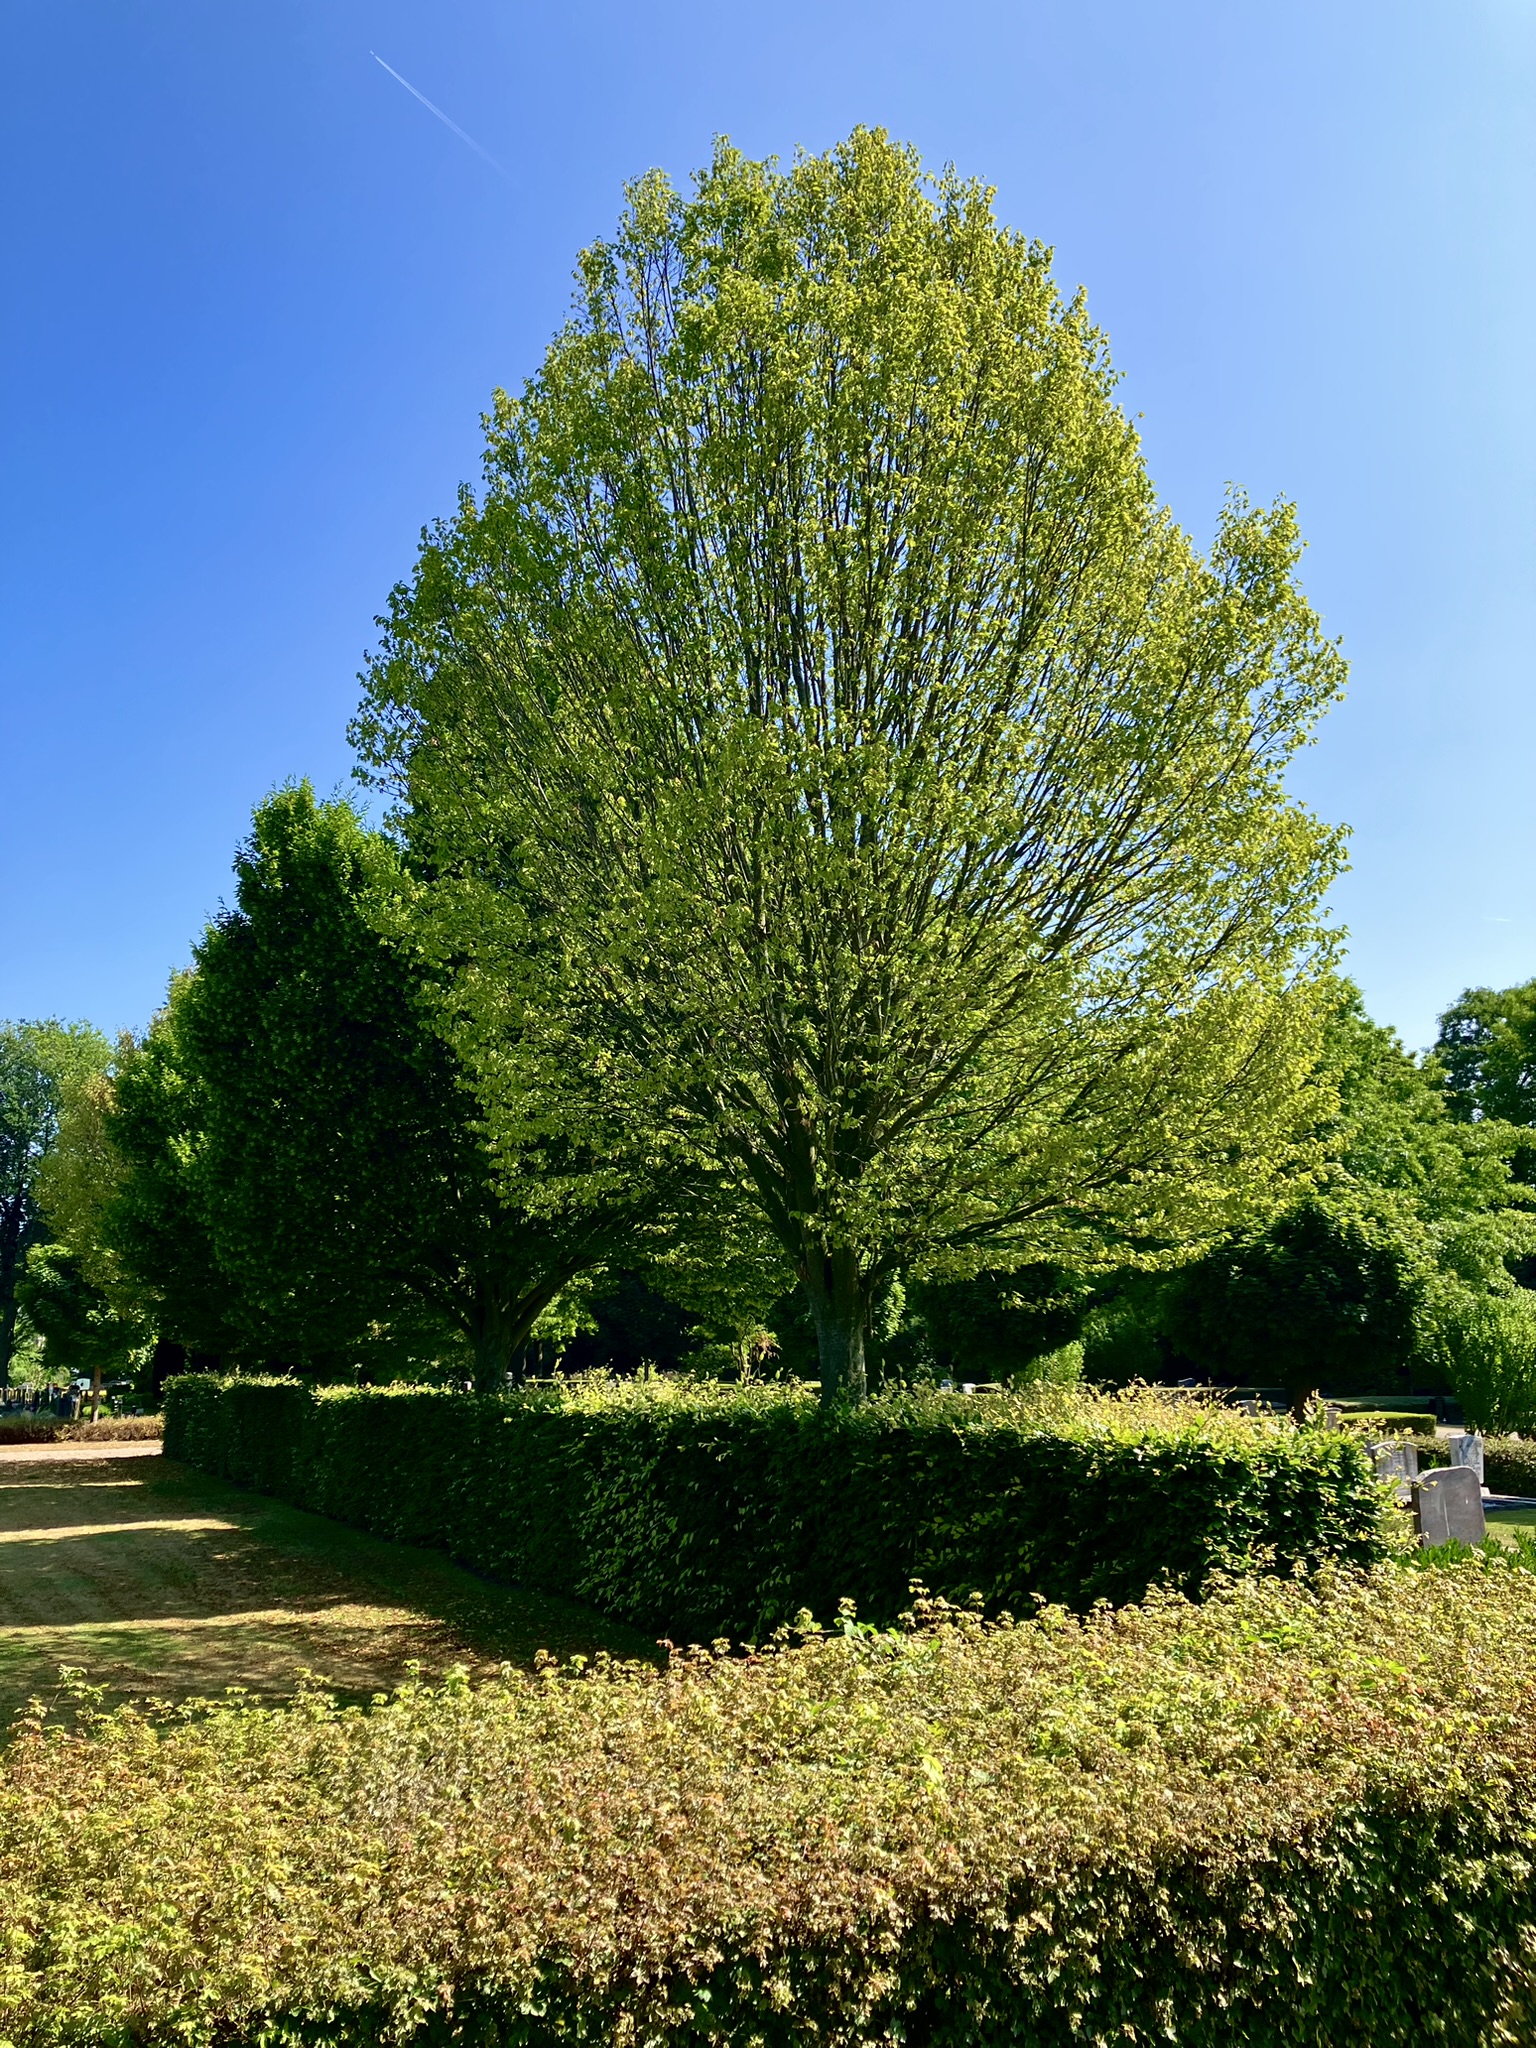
{"x": 157, "y": 1579}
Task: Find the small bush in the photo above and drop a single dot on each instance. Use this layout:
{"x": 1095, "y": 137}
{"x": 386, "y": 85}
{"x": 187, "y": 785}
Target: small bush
{"x": 1298, "y": 1816}
{"x": 701, "y": 1511}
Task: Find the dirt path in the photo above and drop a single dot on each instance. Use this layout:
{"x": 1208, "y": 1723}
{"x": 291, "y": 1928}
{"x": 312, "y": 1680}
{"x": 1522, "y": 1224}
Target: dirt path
{"x": 157, "y": 1580}
{"x": 63, "y": 1453}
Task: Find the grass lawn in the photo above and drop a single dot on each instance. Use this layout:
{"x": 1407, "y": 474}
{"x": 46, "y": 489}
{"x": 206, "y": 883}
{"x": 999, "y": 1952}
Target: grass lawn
{"x": 1502, "y": 1521}
{"x": 158, "y": 1580}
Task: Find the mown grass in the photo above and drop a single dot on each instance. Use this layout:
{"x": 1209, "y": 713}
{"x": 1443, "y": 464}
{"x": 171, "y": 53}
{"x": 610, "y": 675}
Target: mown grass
{"x": 158, "y": 1580}
{"x": 1503, "y": 1522}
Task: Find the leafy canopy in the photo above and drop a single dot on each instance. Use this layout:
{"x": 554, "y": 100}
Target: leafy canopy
{"x": 38, "y": 1063}
{"x": 318, "y": 1129}
{"x": 842, "y": 770}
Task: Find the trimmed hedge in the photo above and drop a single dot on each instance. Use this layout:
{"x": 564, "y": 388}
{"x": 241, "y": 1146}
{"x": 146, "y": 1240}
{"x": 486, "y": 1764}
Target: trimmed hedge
{"x": 1297, "y": 1816}
{"x": 703, "y": 1511}
{"x": 1509, "y": 1465}
{"x": 56, "y": 1429}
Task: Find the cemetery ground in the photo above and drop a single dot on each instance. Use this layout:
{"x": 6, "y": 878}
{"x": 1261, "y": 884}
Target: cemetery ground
{"x": 156, "y": 1580}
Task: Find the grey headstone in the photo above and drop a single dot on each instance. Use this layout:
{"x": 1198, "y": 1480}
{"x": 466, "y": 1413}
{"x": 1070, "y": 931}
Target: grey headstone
{"x": 1249, "y": 1407}
{"x": 1468, "y": 1450}
{"x": 1332, "y": 1415}
{"x": 1398, "y": 1462}
{"x": 1448, "y": 1506}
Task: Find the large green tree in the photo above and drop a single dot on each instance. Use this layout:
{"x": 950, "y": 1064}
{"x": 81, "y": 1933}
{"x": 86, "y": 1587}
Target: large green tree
{"x": 845, "y": 772}
{"x": 340, "y": 1185}
{"x": 136, "y": 1209}
{"x": 37, "y": 1063}
{"x": 1485, "y": 1054}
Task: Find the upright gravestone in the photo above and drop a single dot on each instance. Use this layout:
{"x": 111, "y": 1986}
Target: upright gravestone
{"x": 1448, "y": 1506}
{"x": 1468, "y": 1450}
{"x": 1400, "y": 1463}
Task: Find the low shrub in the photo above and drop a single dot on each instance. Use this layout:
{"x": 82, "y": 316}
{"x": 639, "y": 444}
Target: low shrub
{"x": 1388, "y": 1421}
{"x": 1509, "y": 1465}
{"x": 1296, "y": 1816}
{"x": 56, "y": 1429}
{"x": 701, "y": 1511}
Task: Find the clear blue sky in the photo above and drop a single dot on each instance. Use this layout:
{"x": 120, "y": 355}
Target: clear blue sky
{"x": 256, "y": 297}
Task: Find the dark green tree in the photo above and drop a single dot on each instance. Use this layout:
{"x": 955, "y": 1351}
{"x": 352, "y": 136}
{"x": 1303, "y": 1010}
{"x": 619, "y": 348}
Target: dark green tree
{"x": 996, "y": 1326}
{"x": 150, "y": 1221}
{"x": 1328, "y": 1296}
{"x": 37, "y": 1063}
{"x": 322, "y": 1135}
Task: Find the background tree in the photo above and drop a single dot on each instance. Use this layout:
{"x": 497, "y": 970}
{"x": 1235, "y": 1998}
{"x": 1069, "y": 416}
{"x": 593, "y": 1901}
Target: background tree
{"x": 37, "y": 1061}
{"x": 1485, "y": 1053}
{"x": 150, "y": 1221}
{"x": 333, "y": 1164}
{"x": 1327, "y": 1296}
{"x": 848, "y": 774}
{"x": 83, "y": 1331}
{"x": 1413, "y": 1225}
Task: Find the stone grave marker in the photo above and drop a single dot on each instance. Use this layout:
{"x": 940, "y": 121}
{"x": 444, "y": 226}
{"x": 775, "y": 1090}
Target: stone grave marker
{"x": 1400, "y": 1463}
{"x": 1448, "y": 1506}
{"x": 1468, "y": 1450}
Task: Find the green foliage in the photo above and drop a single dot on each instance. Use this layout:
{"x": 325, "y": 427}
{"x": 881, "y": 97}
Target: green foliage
{"x": 1327, "y": 1296}
{"x": 841, "y": 771}
{"x": 998, "y": 1326}
{"x": 1375, "y": 1280}
{"x": 82, "y": 1331}
{"x": 699, "y": 1511}
{"x": 151, "y": 1222}
{"x": 1486, "y": 1055}
{"x": 1509, "y": 1465}
{"x": 305, "y": 1176}
{"x": 38, "y": 1063}
{"x": 339, "y": 1169}
{"x": 1489, "y": 1345}
{"x": 1297, "y": 1816}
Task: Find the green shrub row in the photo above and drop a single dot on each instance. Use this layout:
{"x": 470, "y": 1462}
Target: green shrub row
{"x": 57, "y": 1429}
{"x": 702, "y": 1511}
{"x": 1298, "y": 1815}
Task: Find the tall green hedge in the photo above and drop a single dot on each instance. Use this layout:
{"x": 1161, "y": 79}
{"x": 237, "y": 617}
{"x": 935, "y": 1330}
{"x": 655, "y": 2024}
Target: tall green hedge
{"x": 700, "y": 1511}
{"x": 1298, "y": 1815}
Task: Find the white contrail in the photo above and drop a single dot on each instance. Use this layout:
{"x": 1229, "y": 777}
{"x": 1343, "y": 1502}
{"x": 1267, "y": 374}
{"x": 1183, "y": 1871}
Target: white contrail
{"x": 443, "y": 117}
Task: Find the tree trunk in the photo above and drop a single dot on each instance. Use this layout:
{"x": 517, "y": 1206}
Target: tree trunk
{"x": 95, "y": 1393}
{"x": 839, "y": 1296}
{"x": 500, "y": 1327}
{"x": 10, "y": 1272}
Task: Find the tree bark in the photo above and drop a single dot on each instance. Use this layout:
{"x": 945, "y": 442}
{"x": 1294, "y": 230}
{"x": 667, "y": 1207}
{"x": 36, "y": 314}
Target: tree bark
{"x": 500, "y": 1327}
{"x": 11, "y": 1217}
{"x": 840, "y": 1297}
